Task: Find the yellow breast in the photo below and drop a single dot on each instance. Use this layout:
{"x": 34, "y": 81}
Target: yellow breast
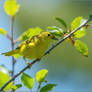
{"x": 35, "y": 49}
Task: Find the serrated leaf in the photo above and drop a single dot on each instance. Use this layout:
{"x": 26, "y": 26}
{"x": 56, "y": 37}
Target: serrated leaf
{"x": 47, "y": 88}
{"x": 61, "y": 21}
{"x": 17, "y": 56}
{"x": 81, "y": 47}
{"x": 4, "y": 69}
{"x": 41, "y": 75}
{"x": 2, "y": 31}
{"x": 11, "y": 7}
{"x": 17, "y": 86}
{"x": 30, "y": 33}
{"x": 75, "y": 24}
{"x": 55, "y": 31}
{"x": 4, "y": 78}
{"x": 27, "y": 80}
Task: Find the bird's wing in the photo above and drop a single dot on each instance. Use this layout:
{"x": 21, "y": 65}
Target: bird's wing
{"x": 32, "y": 39}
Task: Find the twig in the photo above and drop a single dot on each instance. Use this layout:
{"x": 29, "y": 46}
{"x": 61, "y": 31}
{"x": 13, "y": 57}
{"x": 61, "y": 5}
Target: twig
{"x": 39, "y": 86}
{"x": 12, "y": 44}
{"x": 34, "y": 61}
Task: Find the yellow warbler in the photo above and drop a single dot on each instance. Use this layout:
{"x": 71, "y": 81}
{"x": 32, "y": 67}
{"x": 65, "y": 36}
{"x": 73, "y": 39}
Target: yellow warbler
{"x": 33, "y": 48}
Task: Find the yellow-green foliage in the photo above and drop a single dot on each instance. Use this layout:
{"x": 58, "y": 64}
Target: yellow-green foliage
{"x": 3, "y": 79}
{"x": 2, "y": 31}
{"x": 75, "y": 24}
{"x": 11, "y": 7}
{"x": 41, "y": 75}
{"x": 81, "y": 47}
{"x": 27, "y": 81}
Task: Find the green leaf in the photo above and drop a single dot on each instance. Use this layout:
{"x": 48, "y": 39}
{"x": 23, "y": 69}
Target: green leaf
{"x": 27, "y": 81}
{"x": 11, "y": 7}
{"x": 55, "y": 31}
{"x": 90, "y": 16}
{"x": 4, "y": 78}
{"x": 4, "y": 69}
{"x": 30, "y": 33}
{"x": 2, "y": 31}
{"x": 17, "y": 86}
{"x": 47, "y": 88}
{"x": 75, "y": 24}
{"x": 81, "y": 47}
{"x": 17, "y": 56}
{"x": 45, "y": 81}
{"x": 61, "y": 21}
{"x": 41, "y": 75}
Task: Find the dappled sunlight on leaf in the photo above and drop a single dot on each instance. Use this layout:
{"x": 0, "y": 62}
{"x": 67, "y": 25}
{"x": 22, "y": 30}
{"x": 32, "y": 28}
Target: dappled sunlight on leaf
{"x": 4, "y": 69}
{"x": 41, "y": 75}
{"x": 4, "y": 78}
{"x": 75, "y": 24}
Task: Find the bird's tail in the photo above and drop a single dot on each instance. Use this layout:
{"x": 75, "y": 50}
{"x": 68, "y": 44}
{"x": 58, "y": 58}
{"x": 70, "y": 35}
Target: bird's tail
{"x": 10, "y": 53}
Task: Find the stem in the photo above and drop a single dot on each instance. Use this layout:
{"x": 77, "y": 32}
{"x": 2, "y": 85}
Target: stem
{"x": 12, "y": 45}
{"x": 50, "y": 49}
{"x": 39, "y": 86}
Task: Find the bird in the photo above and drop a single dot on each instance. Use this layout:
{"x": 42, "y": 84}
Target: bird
{"x": 34, "y": 47}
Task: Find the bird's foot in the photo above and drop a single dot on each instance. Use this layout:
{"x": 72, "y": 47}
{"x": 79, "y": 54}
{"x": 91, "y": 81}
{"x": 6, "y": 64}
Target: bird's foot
{"x": 29, "y": 64}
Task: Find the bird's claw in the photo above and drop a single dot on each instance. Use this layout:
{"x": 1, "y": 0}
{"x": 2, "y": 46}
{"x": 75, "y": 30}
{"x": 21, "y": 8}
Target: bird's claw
{"x": 29, "y": 64}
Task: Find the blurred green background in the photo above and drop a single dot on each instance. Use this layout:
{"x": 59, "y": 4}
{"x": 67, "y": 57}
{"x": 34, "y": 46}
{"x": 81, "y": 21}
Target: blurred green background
{"x": 67, "y": 68}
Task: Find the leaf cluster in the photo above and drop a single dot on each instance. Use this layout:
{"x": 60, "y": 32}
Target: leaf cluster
{"x": 27, "y": 80}
{"x": 74, "y": 39}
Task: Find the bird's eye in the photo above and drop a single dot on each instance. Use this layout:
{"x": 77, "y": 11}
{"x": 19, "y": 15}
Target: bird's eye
{"x": 48, "y": 34}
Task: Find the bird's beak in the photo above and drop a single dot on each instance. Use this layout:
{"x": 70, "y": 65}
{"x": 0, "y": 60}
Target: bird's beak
{"x": 54, "y": 38}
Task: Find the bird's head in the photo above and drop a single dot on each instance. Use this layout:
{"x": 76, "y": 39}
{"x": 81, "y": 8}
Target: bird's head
{"x": 47, "y": 35}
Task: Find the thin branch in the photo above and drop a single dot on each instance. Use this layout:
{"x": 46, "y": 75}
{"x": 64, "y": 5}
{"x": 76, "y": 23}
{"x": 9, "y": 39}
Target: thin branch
{"x": 34, "y": 61}
{"x": 39, "y": 86}
{"x": 12, "y": 44}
